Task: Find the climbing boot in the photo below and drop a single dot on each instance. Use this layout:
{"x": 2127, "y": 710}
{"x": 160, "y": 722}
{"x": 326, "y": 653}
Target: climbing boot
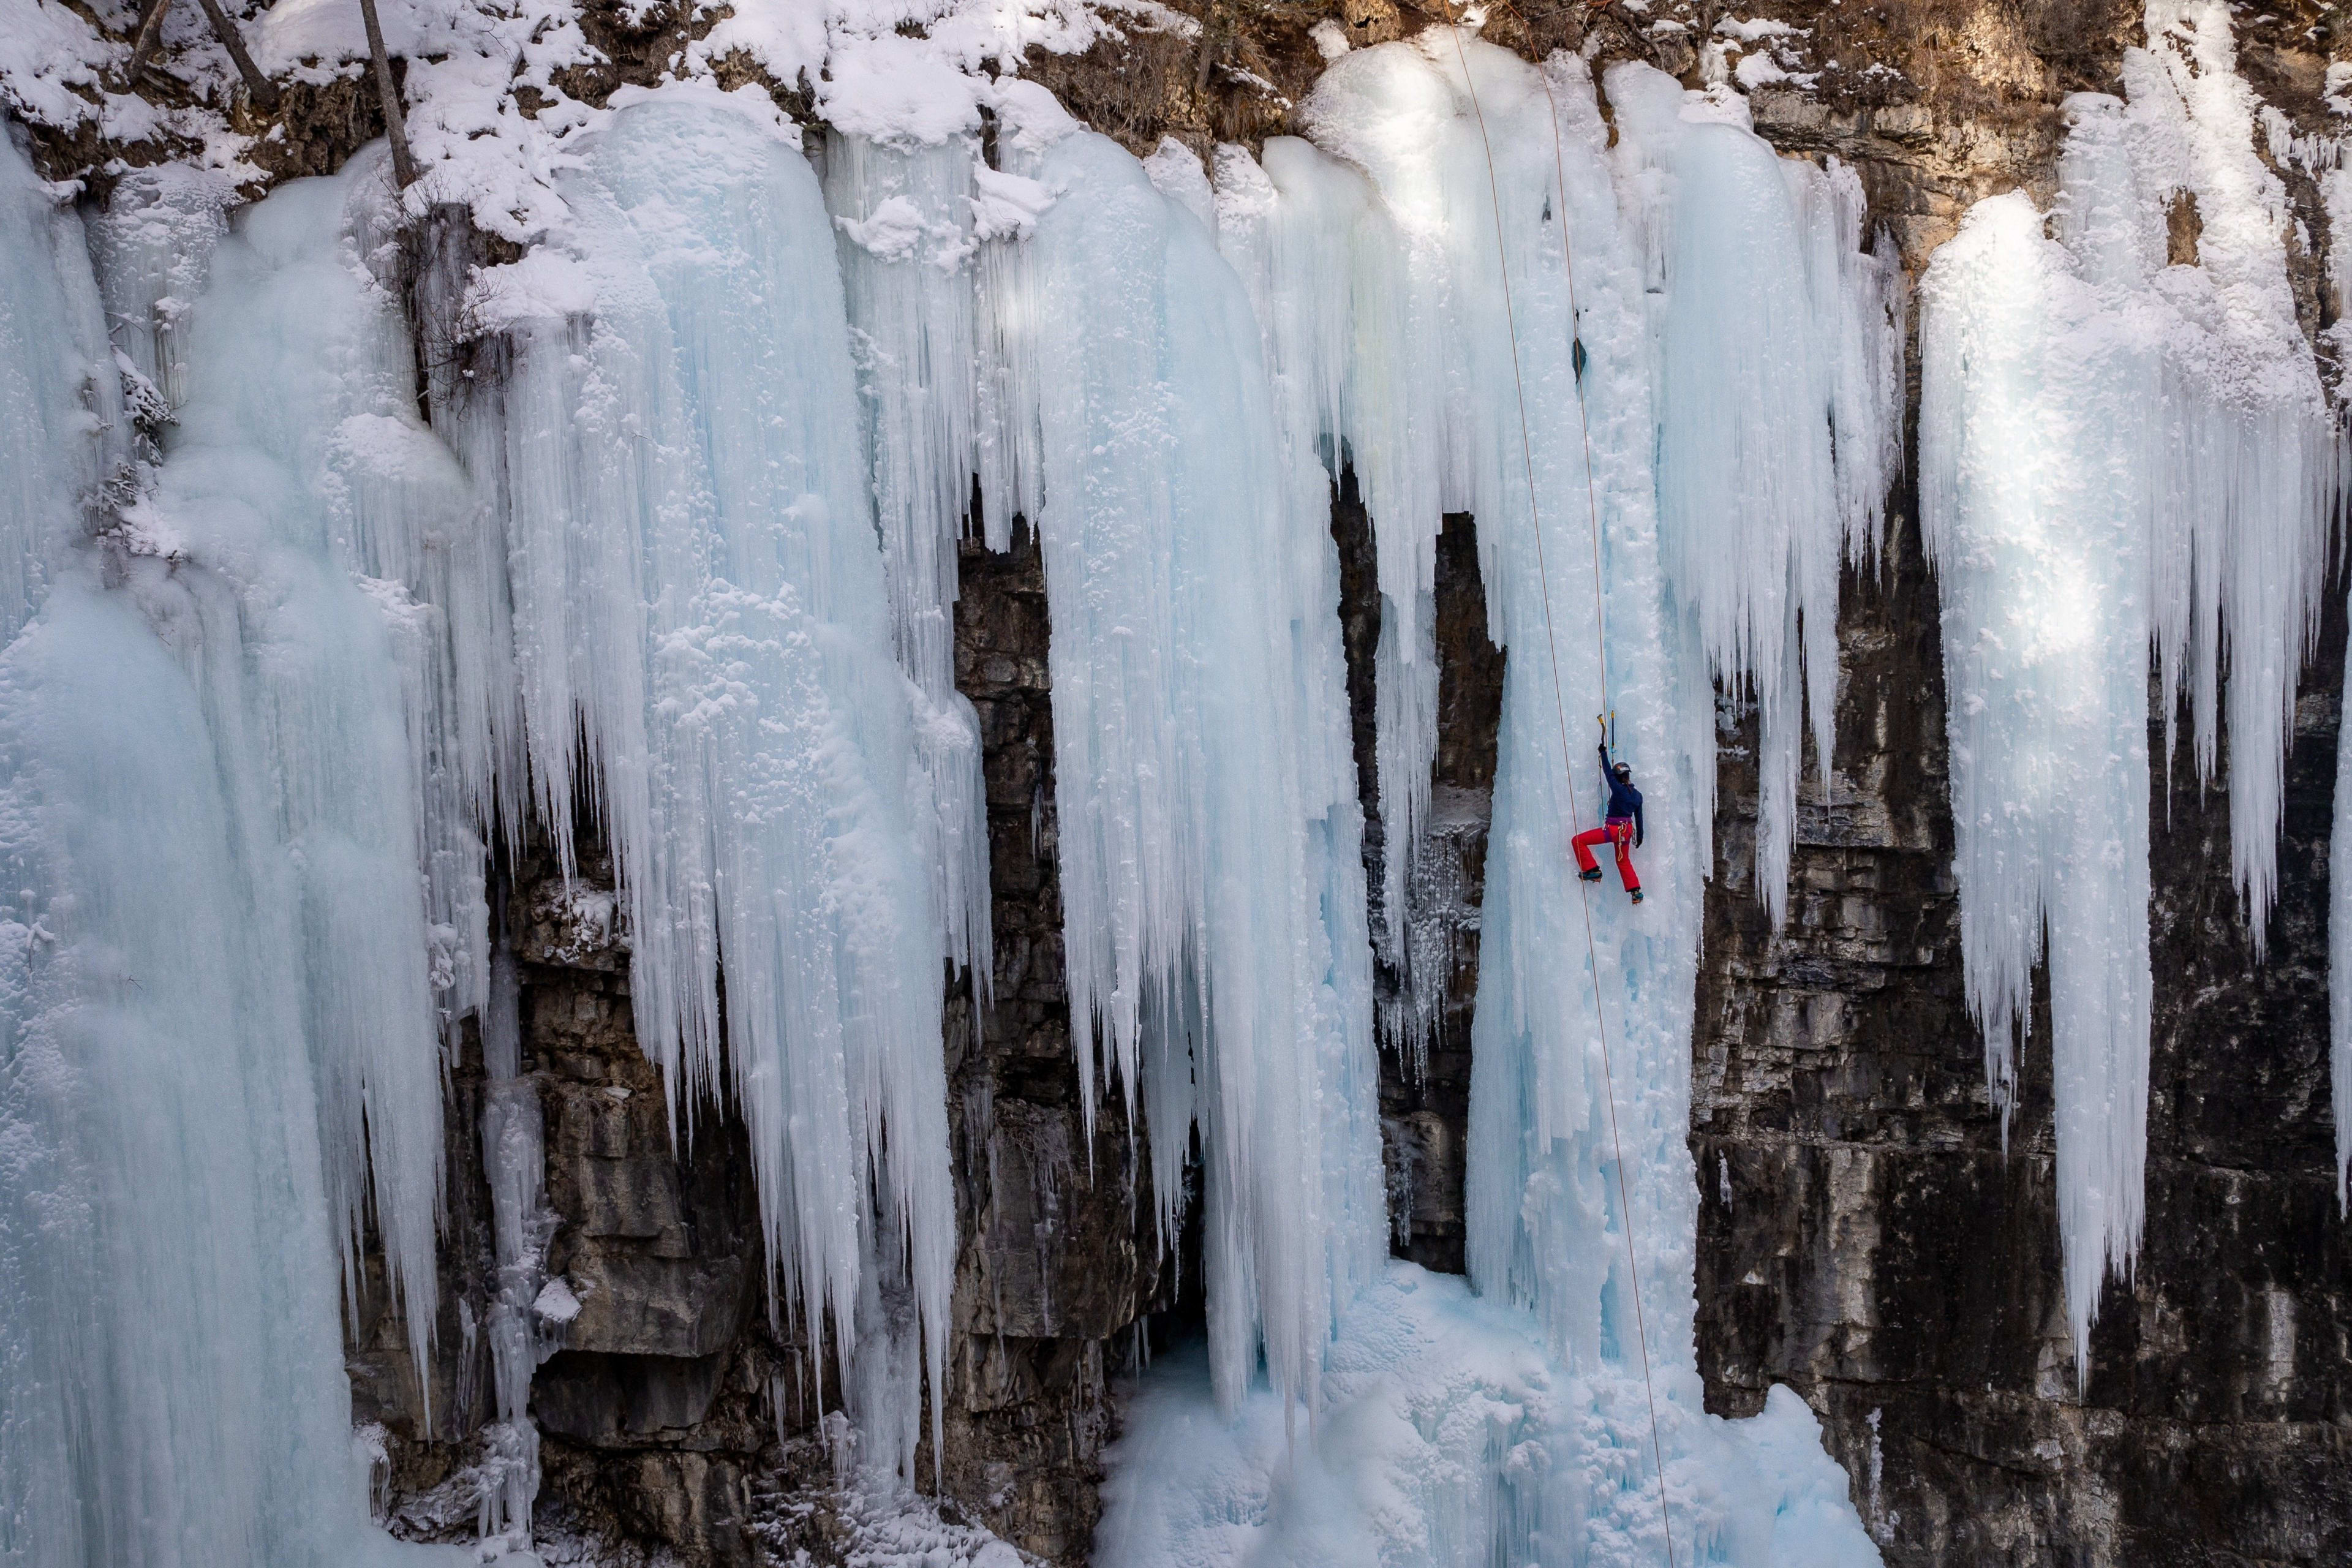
{"x": 1637, "y": 895}
{"x": 1591, "y": 876}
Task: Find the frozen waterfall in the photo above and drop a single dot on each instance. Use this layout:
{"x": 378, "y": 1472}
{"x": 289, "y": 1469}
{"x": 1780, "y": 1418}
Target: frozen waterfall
{"x": 219, "y": 959}
{"x": 704, "y": 639}
{"x": 1212, "y": 870}
{"x": 2082, "y": 527}
{"x": 301, "y": 656}
{"x": 1518, "y": 1426}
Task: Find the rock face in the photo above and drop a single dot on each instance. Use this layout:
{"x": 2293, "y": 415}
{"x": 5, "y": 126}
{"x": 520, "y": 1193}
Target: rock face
{"x": 677, "y": 1418}
{"x": 1059, "y": 1257}
{"x": 671, "y": 1390}
{"x": 1864, "y": 1237}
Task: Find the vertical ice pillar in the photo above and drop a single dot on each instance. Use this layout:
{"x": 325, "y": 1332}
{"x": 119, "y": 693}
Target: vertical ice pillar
{"x": 2118, "y": 454}
{"x": 2251, "y": 461}
{"x": 170, "y": 1332}
{"x": 62, "y": 426}
{"x": 704, "y": 637}
{"x": 1210, "y": 834}
{"x": 1568, "y": 1011}
{"x": 1362, "y": 278}
{"x": 172, "y": 1387}
{"x": 514, "y": 1159}
{"x": 1351, "y": 303}
{"x": 2336, "y": 191}
{"x": 2033, "y": 453}
{"x": 2339, "y": 963}
{"x": 902, "y": 205}
{"x": 1306, "y": 346}
{"x": 301, "y": 481}
{"x": 1779, "y": 409}
{"x": 1367, "y": 263}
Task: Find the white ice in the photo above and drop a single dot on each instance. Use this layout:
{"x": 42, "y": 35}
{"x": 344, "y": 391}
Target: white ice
{"x": 1450, "y": 1438}
{"x": 529, "y": 1312}
{"x": 905, "y": 210}
{"x": 299, "y": 475}
{"x": 1209, "y": 830}
{"x": 683, "y": 579}
{"x": 216, "y": 954}
{"x": 1779, "y": 367}
{"x": 1518, "y": 1427}
{"x": 704, "y": 636}
{"x": 2120, "y": 460}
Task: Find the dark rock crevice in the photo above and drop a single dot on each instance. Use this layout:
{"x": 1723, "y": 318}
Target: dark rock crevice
{"x": 1059, "y": 1255}
{"x": 1426, "y": 1040}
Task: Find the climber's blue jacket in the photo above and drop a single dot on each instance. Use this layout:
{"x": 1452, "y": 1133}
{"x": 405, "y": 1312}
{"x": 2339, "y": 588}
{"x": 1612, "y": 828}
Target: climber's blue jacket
{"x": 1624, "y": 800}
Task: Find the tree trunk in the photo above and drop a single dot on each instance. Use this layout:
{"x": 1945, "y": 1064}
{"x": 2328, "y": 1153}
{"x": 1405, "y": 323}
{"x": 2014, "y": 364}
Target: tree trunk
{"x": 256, "y": 84}
{"x": 395, "y": 119}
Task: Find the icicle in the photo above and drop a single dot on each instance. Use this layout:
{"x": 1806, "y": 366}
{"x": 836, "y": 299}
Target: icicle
{"x": 904, "y": 214}
{"x": 168, "y": 1325}
{"x": 63, "y": 428}
{"x": 154, "y": 250}
{"x": 700, "y": 604}
{"x": 2033, "y": 446}
{"x": 295, "y": 475}
{"x": 2252, "y": 462}
{"x": 1210, "y": 836}
{"x": 1427, "y": 1385}
{"x": 521, "y": 1224}
{"x": 1352, "y": 306}
{"x": 2117, "y": 455}
{"x": 2339, "y": 959}
{"x": 1275, "y": 232}
{"x": 1540, "y": 1192}
{"x": 1370, "y": 275}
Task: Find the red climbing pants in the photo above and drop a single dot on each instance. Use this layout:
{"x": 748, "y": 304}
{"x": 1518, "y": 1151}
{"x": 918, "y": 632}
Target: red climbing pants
{"x": 1618, "y": 831}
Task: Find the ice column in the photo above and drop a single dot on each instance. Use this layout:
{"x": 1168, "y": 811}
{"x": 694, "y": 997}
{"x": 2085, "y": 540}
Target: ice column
{"x": 1368, "y": 277}
{"x": 2035, "y": 498}
{"x": 1515, "y": 1428}
{"x": 1353, "y": 302}
{"x": 169, "y": 1339}
{"x": 2246, "y": 477}
{"x": 2336, "y": 192}
{"x": 2117, "y": 455}
{"x": 1304, "y": 362}
{"x": 298, "y": 475}
{"x": 1210, "y": 834}
{"x": 1544, "y": 1222}
{"x": 704, "y": 637}
{"x": 2339, "y": 963}
{"x": 61, "y": 413}
{"x": 1778, "y": 356}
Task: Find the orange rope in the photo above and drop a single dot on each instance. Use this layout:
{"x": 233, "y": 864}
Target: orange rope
{"x": 1559, "y": 701}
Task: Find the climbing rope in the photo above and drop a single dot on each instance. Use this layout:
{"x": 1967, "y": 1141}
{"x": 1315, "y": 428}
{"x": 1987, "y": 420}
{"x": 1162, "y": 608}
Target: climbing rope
{"x": 1559, "y": 702}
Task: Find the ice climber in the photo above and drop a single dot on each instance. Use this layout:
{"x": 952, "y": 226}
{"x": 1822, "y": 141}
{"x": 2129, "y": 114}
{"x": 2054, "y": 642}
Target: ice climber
{"x": 1621, "y": 825}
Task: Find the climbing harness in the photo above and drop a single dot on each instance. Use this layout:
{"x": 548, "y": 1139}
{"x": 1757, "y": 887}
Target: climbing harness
{"x": 1559, "y": 706}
